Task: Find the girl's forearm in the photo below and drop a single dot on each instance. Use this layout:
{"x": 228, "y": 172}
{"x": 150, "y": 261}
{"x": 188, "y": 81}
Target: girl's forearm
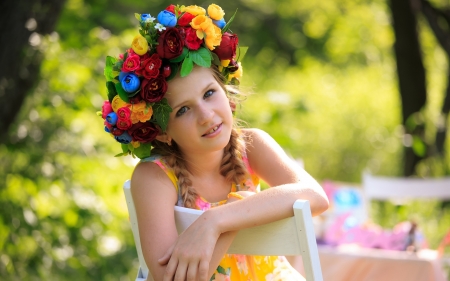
{"x": 222, "y": 245}
{"x": 267, "y": 206}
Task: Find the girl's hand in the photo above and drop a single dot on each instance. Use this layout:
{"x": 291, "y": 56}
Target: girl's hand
{"x": 190, "y": 256}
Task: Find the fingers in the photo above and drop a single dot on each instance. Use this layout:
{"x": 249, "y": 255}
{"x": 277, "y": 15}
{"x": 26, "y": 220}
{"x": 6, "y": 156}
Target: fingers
{"x": 203, "y": 271}
{"x": 192, "y": 272}
{"x": 171, "y": 268}
{"x": 165, "y": 259}
{"x": 180, "y": 274}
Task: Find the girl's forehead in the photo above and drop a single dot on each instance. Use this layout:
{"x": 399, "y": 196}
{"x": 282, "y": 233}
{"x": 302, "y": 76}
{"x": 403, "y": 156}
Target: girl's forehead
{"x": 196, "y": 81}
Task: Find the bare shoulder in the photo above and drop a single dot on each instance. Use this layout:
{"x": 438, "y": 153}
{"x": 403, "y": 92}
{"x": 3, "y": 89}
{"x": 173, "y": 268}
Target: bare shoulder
{"x": 149, "y": 179}
{"x": 260, "y": 144}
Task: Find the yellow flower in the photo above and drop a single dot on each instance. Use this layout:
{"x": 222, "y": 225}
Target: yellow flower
{"x": 139, "y": 45}
{"x": 194, "y": 10}
{"x": 201, "y": 22}
{"x": 213, "y": 36}
{"x": 237, "y": 74}
{"x": 117, "y": 103}
{"x": 225, "y": 63}
{"x": 215, "y": 12}
{"x": 135, "y": 144}
{"x": 140, "y": 112}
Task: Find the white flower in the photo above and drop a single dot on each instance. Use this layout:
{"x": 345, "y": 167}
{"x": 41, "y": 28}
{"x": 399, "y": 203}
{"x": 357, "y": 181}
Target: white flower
{"x": 160, "y": 27}
{"x": 150, "y": 19}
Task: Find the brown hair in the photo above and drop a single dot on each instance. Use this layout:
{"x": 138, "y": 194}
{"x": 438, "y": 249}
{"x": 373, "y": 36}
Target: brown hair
{"x": 232, "y": 166}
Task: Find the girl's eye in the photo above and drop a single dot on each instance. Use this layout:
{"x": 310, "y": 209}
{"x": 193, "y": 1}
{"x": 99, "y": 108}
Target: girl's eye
{"x": 208, "y": 94}
{"x": 182, "y": 111}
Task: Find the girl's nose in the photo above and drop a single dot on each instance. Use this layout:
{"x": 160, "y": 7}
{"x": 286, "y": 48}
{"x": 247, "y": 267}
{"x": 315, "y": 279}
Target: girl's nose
{"x": 205, "y": 114}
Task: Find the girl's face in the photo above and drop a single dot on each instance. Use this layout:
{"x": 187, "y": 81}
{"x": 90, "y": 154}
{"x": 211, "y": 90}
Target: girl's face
{"x": 201, "y": 119}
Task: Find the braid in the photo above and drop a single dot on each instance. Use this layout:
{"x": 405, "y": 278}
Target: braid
{"x": 233, "y": 167}
{"x": 176, "y": 162}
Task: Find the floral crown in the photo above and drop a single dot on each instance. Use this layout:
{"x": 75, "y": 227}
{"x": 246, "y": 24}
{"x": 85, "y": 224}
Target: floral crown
{"x": 136, "y": 110}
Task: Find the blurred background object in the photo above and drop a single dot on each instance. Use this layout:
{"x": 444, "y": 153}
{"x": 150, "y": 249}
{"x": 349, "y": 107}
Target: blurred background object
{"x": 343, "y": 85}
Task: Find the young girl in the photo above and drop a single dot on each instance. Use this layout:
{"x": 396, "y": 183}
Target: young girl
{"x": 171, "y": 104}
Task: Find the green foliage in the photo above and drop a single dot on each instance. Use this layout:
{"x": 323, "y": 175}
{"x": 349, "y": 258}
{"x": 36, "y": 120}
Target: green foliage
{"x": 324, "y": 85}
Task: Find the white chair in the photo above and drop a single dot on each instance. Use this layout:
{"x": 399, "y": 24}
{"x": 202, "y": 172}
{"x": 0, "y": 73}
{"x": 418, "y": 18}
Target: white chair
{"x": 397, "y": 188}
{"x": 292, "y": 236}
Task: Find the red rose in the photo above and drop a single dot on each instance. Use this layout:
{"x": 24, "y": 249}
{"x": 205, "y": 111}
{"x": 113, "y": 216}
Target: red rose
{"x": 124, "y": 124}
{"x": 143, "y": 132}
{"x": 150, "y": 67}
{"x": 170, "y": 44}
{"x": 185, "y": 19}
{"x": 191, "y": 40}
{"x": 171, "y": 9}
{"x": 131, "y": 63}
{"x": 124, "y": 113}
{"x": 227, "y": 48}
{"x": 153, "y": 90}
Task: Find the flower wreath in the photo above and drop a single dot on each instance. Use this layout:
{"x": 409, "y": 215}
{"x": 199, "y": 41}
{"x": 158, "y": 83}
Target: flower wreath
{"x": 136, "y": 110}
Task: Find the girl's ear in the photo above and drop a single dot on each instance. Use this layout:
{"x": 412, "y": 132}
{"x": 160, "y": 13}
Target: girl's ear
{"x": 233, "y": 106}
{"x": 164, "y": 137}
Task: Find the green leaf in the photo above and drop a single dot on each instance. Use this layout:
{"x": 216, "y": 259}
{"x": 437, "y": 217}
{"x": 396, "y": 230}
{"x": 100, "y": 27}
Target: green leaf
{"x": 216, "y": 59}
{"x": 137, "y": 16}
{"x": 241, "y": 53}
{"x": 111, "y": 90}
{"x": 173, "y": 70}
{"x": 110, "y": 62}
{"x": 227, "y": 26}
{"x": 121, "y": 92}
{"x": 201, "y": 57}
{"x": 125, "y": 148}
{"x": 213, "y": 277}
{"x": 182, "y": 56}
{"x": 161, "y": 112}
{"x": 187, "y": 66}
{"x": 221, "y": 270}
{"x": 143, "y": 150}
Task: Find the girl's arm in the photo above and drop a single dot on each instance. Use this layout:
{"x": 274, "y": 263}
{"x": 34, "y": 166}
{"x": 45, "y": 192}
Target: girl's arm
{"x": 288, "y": 182}
{"x": 154, "y": 198}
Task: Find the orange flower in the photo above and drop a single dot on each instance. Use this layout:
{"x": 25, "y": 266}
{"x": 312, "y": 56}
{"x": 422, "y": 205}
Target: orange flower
{"x": 140, "y": 112}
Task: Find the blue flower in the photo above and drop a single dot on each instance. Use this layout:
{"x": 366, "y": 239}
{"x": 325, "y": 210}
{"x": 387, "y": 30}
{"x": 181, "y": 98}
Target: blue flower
{"x": 122, "y": 75}
{"x": 107, "y": 130}
{"x": 167, "y": 18}
{"x": 124, "y": 138}
{"x": 130, "y": 82}
{"x": 220, "y": 23}
{"x": 111, "y": 118}
{"x": 145, "y": 17}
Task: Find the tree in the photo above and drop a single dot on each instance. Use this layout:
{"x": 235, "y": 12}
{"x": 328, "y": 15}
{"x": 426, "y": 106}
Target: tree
{"x": 412, "y": 81}
{"x": 22, "y": 23}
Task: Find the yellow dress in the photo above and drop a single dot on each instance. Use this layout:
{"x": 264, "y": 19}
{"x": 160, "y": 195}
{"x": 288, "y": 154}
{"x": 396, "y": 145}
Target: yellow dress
{"x": 239, "y": 267}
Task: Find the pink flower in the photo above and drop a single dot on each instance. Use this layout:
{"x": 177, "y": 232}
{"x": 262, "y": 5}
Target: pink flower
{"x": 106, "y": 109}
{"x": 124, "y": 113}
{"x": 132, "y": 63}
{"x": 202, "y": 204}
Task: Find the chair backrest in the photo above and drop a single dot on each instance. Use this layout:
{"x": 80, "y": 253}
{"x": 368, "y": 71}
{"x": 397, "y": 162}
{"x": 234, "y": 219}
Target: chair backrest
{"x": 391, "y": 188}
{"x": 292, "y": 236}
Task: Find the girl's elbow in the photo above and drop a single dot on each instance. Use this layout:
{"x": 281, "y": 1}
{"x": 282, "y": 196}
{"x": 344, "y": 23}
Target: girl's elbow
{"x": 320, "y": 205}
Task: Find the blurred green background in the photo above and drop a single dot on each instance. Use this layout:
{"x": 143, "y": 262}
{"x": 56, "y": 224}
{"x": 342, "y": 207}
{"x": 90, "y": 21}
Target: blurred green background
{"x": 323, "y": 83}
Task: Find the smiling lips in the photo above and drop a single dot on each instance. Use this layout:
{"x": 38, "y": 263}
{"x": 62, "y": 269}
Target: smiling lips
{"x": 214, "y": 129}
